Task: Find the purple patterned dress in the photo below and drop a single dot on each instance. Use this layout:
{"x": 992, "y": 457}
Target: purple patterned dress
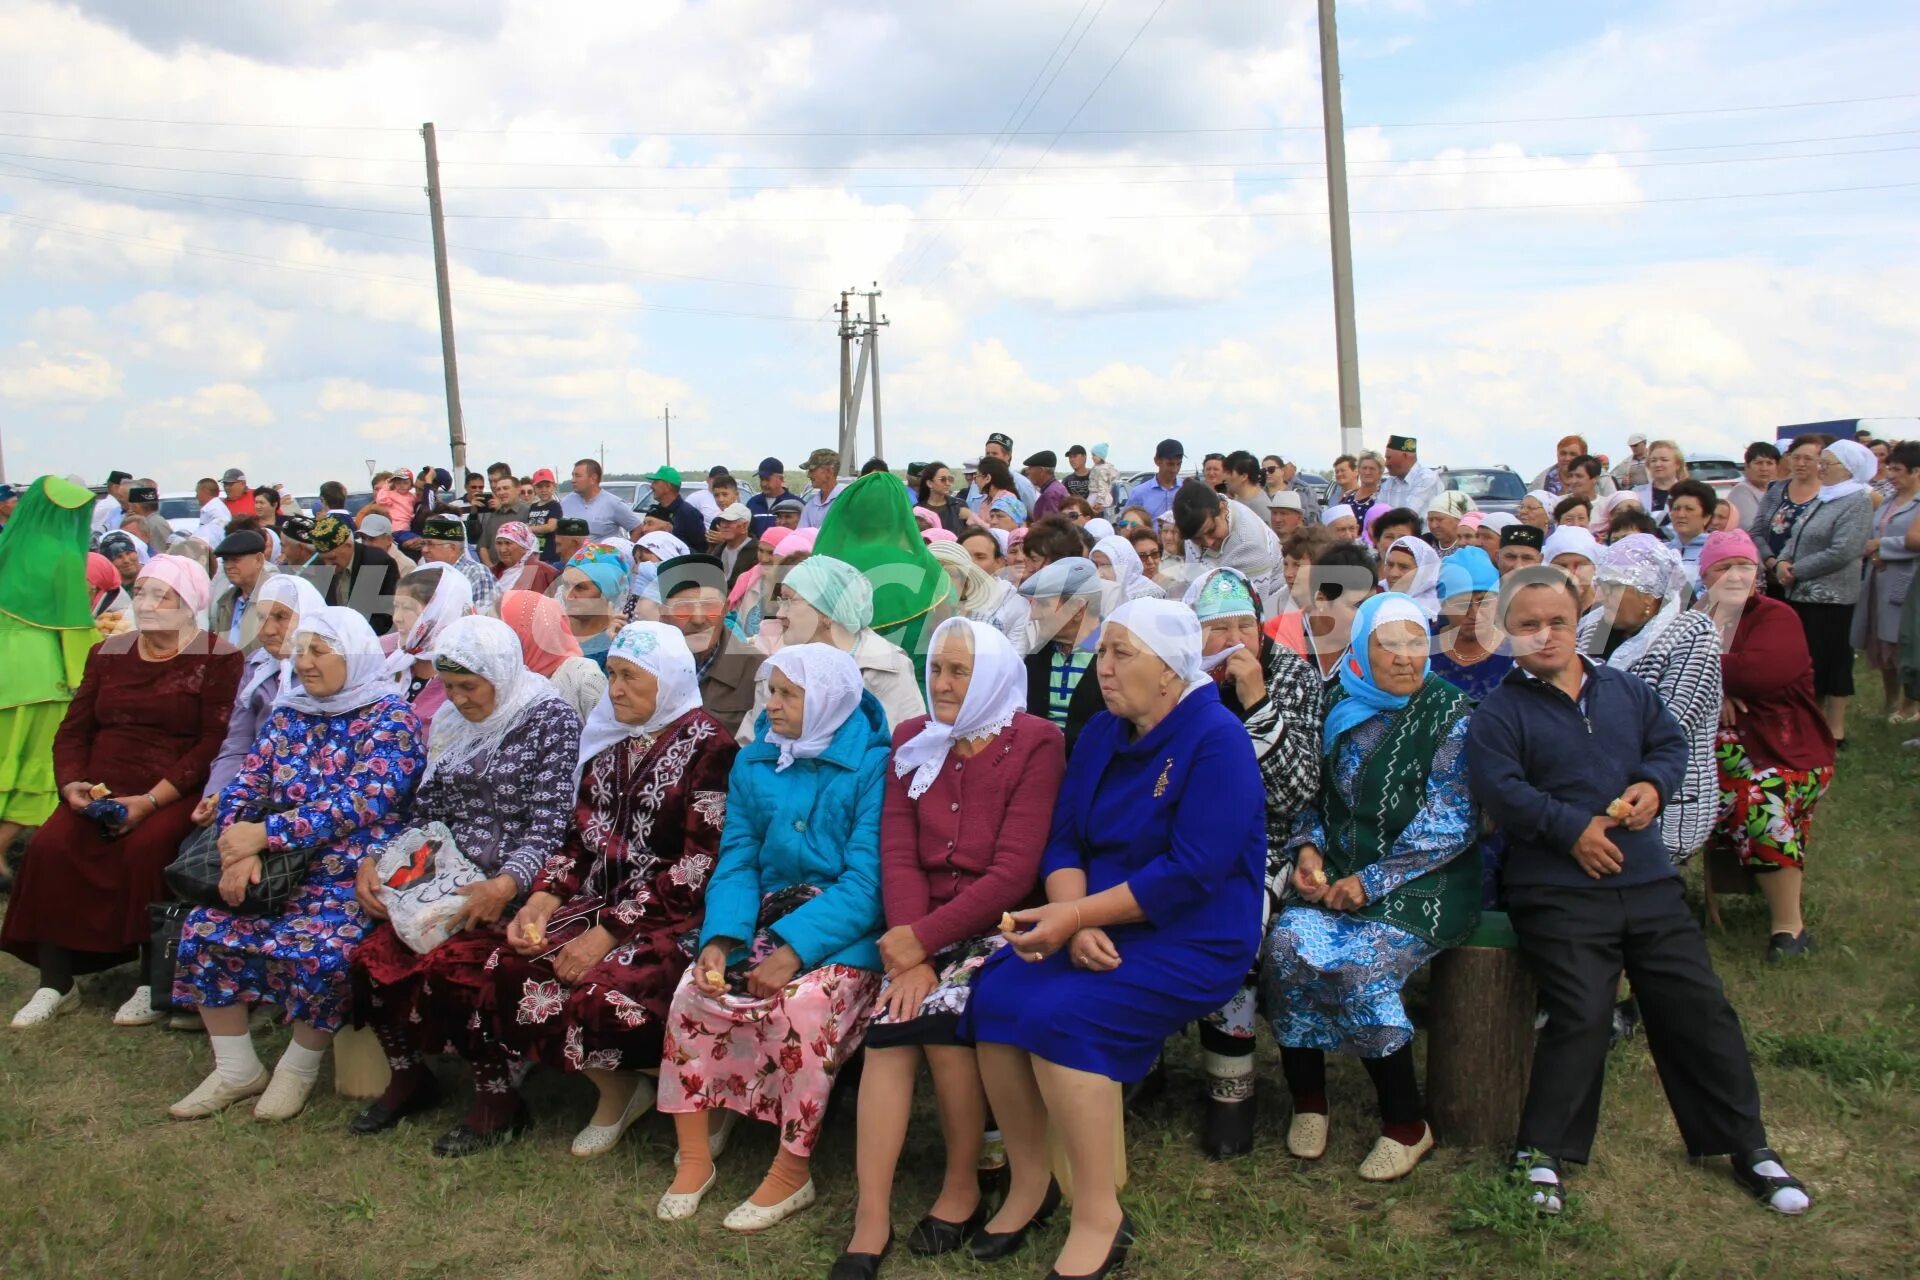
{"x": 348, "y": 778}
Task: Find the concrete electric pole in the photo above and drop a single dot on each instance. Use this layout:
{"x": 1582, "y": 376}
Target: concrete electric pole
{"x": 853, "y": 382}
{"x": 1345, "y": 345}
{"x": 456, "y": 426}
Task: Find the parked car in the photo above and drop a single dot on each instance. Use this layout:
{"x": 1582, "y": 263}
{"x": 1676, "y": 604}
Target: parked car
{"x": 1718, "y": 471}
{"x": 1491, "y": 488}
{"x": 637, "y": 494}
{"x": 181, "y": 510}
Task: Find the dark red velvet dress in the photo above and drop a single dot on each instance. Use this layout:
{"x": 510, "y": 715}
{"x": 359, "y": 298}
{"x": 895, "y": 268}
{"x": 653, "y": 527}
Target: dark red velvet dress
{"x": 132, "y": 725}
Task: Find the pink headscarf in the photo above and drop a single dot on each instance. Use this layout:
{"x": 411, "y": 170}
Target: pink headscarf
{"x": 518, "y": 534}
{"x": 101, "y": 576}
{"x": 938, "y": 535}
{"x": 187, "y": 580}
{"x": 1373, "y": 515}
{"x": 776, "y": 537}
{"x": 1728, "y": 544}
{"x": 926, "y": 518}
{"x": 799, "y": 540}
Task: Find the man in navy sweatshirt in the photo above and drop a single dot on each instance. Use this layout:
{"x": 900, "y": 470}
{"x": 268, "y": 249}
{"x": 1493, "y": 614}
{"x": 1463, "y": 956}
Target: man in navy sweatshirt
{"x": 1572, "y": 761}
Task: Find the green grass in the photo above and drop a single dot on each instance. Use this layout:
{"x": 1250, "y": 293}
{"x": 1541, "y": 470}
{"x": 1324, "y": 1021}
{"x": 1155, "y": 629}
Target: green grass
{"x": 96, "y": 1181}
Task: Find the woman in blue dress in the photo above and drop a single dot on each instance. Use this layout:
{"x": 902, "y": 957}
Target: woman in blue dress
{"x": 1382, "y": 882}
{"x": 1154, "y": 878}
{"x": 331, "y": 773}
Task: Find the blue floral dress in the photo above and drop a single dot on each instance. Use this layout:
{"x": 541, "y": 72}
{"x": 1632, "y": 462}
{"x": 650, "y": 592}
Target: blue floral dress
{"x": 338, "y": 785}
{"x": 1332, "y": 979}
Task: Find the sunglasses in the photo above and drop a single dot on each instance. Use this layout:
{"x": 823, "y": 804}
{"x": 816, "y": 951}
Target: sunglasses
{"x": 1272, "y": 471}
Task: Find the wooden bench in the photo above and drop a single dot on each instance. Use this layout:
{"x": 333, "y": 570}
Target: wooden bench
{"x": 1480, "y": 1037}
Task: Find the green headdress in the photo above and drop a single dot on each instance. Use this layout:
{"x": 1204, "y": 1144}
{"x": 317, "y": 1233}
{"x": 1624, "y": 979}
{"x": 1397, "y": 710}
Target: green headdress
{"x": 871, "y": 527}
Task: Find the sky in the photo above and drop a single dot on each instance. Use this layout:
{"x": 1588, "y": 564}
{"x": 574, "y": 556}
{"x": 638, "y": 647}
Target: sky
{"x": 1089, "y": 220}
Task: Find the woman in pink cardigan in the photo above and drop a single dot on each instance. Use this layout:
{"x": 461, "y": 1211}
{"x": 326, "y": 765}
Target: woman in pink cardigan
{"x": 969, "y": 803}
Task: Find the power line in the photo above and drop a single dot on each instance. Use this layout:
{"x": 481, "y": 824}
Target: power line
{"x": 212, "y": 124}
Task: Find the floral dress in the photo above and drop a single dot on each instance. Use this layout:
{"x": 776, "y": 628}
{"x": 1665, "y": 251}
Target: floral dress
{"x": 337, "y": 786}
{"x": 646, "y": 832}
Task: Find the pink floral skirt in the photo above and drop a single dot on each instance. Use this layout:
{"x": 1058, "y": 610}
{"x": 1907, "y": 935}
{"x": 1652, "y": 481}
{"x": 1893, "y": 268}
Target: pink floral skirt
{"x": 773, "y": 1059}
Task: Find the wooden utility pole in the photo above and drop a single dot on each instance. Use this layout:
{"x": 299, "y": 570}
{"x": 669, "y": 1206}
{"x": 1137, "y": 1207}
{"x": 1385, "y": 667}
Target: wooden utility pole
{"x": 456, "y": 426}
{"x": 1346, "y": 348}
{"x": 666, "y": 416}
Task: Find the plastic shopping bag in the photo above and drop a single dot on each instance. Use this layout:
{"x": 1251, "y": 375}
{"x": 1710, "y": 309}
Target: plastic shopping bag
{"x": 420, "y": 875}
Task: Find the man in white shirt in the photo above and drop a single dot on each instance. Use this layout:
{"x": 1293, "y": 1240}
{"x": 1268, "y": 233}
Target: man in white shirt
{"x": 823, "y": 473}
{"x": 605, "y": 514}
{"x": 110, "y": 510}
{"x": 1407, "y": 483}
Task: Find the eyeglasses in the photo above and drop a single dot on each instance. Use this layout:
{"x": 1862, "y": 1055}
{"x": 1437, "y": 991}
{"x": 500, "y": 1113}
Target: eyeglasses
{"x": 1272, "y": 471}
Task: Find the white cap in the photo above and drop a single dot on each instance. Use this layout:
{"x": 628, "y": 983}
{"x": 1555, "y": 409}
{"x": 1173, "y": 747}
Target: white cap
{"x": 1634, "y": 439}
{"x": 735, "y": 511}
{"x": 1286, "y": 500}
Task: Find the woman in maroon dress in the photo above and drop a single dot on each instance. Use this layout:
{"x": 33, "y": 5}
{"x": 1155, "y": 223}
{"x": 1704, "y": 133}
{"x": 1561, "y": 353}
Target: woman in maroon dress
{"x": 145, "y": 724}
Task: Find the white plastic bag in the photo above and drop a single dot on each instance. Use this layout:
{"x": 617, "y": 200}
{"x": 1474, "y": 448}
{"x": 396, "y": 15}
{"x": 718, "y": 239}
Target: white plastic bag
{"x": 419, "y": 878}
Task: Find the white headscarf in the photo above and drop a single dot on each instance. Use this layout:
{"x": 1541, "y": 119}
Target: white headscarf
{"x": 452, "y": 600}
{"x": 832, "y": 683}
{"x": 294, "y": 592}
{"x": 663, "y": 545}
{"x": 1338, "y": 511}
{"x": 1171, "y": 631}
{"x": 996, "y": 691}
{"x": 1499, "y": 521}
{"x": 490, "y": 649}
{"x": 1860, "y": 464}
{"x": 1129, "y": 574}
{"x": 1425, "y": 587}
{"x": 1098, "y": 528}
{"x": 1572, "y": 540}
{"x": 1647, "y": 565}
{"x": 662, "y": 652}
{"x": 349, "y": 635}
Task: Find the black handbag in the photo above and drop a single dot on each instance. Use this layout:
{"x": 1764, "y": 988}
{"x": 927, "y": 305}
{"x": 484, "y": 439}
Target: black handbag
{"x": 164, "y": 920}
{"x": 194, "y": 876}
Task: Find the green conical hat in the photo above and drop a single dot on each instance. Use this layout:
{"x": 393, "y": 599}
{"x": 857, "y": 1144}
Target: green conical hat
{"x": 871, "y": 527}
{"x": 43, "y": 556}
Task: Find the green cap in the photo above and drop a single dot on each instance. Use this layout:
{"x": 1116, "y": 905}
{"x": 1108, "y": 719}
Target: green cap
{"x": 668, "y": 474}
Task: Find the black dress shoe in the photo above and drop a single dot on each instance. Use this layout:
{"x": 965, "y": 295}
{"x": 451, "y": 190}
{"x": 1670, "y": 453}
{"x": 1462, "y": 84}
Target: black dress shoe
{"x": 378, "y": 1117}
{"x": 933, "y": 1236}
{"x": 1229, "y": 1129}
{"x": 991, "y": 1246}
{"x": 1785, "y": 946}
{"x": 465, "y": 1140}
{"x": 1116, "y": 1255}
{"x": 860, "y": 1266}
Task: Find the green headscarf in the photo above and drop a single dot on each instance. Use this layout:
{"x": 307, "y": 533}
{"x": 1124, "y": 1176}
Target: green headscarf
{"x": 871, "y": 527}
{"x": 43, "y": 557}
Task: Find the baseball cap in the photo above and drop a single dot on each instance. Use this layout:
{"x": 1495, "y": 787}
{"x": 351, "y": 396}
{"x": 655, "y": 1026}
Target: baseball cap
{"x": 719, "y": 473}
{"x": 543, "y": 476}
{"x": 822, "y": 458}
{"x": 232, "y": 475}
{"x": 734, "y": 511}
{"x": 1169, "y": 448}
{"x": 7, "y": 491}
{"x": 771, "y": 466}
{"x": 375, "y": 526}
{"x": 666, "y": 475}
{"x": 1636, "y": 438}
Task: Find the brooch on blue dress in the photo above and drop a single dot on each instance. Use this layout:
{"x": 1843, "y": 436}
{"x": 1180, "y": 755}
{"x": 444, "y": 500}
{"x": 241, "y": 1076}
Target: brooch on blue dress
{"x": 1160, "y": 785}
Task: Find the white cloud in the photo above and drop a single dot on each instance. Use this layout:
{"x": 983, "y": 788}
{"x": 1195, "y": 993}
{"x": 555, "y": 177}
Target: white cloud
{"x": 221, "y": 408}
{"x": 30, "y": 375}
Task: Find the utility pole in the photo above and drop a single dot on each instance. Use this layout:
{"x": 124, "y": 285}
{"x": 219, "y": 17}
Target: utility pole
{"x": 853, "y": 382}
{"x": 1345, "y": 342}
{"x": 666, "y": 416}
{"x": 873, "y": 361}
{"x": 456, "y": 427}
{"x": 845, "y": 443}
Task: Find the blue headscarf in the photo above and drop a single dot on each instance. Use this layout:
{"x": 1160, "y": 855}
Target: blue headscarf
{"x": 1465, "y": 570}
{"x": 1012, "y": 507}
{"x": 1365, "y": 698}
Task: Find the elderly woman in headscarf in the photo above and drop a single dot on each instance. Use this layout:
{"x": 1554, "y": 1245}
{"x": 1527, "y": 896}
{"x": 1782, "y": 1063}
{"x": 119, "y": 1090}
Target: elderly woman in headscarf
{"x": 1642, "y": 627}
{"x": 1536, "y": 509}
{"x": 789, "y": 962}
{"x": 871, "y": 527}
{"x": 517, "y": 565}
{"x": 1412, "y": 567}
{"x": 1276, "y": 696}
{"x": 593, "y": 590}
{"x": 1602, "y": 522}
{"x": 828, "y": 601}
{"x": 47, "y": 629}
{"x": 1444, "y": 516}
{"x": 331, "y": 775}
{"x": 1153, "y": 874}
{"x": 1120, "y": 564}
{"x": 1574, "y": 548}
{"x": 1384, "y": 878}
{"x": 1818, "y": 567}
{"x": 1471, "y": 654}
{"x": 427, "y": 602}
{"x": 498, "y": 773}
{"x": 1774, "y": 753}
{"x": 548, "y": 646}
{"x": 141, "y": 732}
{"x": 968, "y": 802}
{"x": 982, "y": 597}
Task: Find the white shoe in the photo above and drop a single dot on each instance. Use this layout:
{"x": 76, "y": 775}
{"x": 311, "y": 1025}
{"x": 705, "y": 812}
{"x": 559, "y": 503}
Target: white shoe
{"x": 215, "y": 1094}
{"x": 719, "y": 1129}
{"x": 1307, "y": 1135}
{"x": 138, "y": 1011}
{"x": 678, "y": 1206}
{"x": 1390, "y": 1160}
{"x": 748, "y": 1217}
{"x": 45, "y": 1005}
{"x": 285, "y": 1098}
{"x": 598, "y": 1139}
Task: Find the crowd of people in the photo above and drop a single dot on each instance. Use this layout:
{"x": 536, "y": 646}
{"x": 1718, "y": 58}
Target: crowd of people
{"x": 1010, "y": 773}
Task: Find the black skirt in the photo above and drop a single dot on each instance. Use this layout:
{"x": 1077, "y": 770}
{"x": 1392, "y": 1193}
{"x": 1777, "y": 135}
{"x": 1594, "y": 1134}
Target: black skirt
{"x": 1829, "y": 629}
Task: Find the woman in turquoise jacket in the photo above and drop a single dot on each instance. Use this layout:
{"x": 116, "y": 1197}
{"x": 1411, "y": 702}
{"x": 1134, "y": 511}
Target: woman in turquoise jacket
{"x": 789, "y": 962}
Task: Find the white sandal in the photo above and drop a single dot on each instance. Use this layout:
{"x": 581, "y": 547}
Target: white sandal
{"x": 1307, "y": 1135}
{"x": 46, "y": 1004}
{"x": 678, "y": 1206}
{"x": 138, "y": 1011}
{"x": 748, "y": 1217}
{"x": 1389, "y": 1161}
{"x": 598, "y": 1139}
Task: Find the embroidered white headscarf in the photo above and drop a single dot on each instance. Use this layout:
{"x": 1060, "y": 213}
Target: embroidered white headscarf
{"x": 1649, "y": 566}
{"x": 831, "y": 680}
{"x": 349, "y": 635}
{"x": 662, "y": 652}
{"x": 452, "y": 600}
{"x": 490, "y": 649}
{"x": 996, "y": 691}
{"x": 290, "y": 591}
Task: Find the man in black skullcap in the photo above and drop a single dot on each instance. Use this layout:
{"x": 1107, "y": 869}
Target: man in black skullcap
{"x": 1520, "y": 547}
{"x": 443, "y": 540}
{"x": 570, "y": 533}
{"x": 143, "y": 518}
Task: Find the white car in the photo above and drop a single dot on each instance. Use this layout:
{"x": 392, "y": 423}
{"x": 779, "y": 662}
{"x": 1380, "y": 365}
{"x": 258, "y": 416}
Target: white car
{"x": 1716, "y": 470}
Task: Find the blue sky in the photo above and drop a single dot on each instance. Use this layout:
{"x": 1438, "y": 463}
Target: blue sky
{"x": 1081, "y": 292}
